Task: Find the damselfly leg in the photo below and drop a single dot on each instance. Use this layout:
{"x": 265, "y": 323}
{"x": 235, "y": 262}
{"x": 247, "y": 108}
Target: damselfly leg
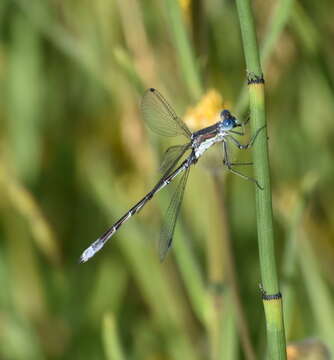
{"x": 237, "y": 163}
{"x": 251, "y": 142}
{"x": 229, "y": 165}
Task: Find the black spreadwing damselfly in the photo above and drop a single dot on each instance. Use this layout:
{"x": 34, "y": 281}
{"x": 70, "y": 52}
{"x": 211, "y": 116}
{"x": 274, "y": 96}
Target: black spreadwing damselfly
{"x": 162, "y": 119}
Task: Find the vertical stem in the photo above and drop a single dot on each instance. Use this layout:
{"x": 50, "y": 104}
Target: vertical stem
{"x": 112, "y": 345}
{"x": 271, "y": 296}
{"x": 184, "y": 49}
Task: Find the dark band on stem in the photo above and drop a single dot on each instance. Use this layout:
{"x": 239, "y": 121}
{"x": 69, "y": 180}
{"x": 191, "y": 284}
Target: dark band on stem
{"x": 266, "y": 296}
{"x": 252, "y": 78}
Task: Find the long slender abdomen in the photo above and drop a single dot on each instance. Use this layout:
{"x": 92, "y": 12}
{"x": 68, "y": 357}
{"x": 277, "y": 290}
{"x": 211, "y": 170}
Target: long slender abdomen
{"x": 99, "y": 243}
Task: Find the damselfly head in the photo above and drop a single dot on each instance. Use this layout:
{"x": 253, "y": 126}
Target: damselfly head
{"x": 228, "y": 121}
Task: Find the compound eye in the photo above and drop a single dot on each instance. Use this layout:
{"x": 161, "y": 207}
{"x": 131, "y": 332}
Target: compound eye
{"x": 228, "y": 124}
{"x": 225, "y": 114}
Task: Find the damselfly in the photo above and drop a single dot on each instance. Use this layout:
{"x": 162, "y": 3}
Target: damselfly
{"x": 162, "y": 119}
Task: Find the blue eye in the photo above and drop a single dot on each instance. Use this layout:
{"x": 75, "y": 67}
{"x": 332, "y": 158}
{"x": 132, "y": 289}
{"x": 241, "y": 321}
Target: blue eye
{"x": 228, "y": 121}
{"x": 228, "y": 124}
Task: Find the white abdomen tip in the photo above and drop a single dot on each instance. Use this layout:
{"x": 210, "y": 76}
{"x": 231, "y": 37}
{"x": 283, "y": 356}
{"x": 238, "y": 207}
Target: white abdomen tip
{"x": 91, "y": 251}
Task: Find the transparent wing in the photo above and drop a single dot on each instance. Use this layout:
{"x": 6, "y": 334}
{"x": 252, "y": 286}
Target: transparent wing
{"x": 172, "y": 156}
{"x": 167, "y": 232}
{"x": 160, "y": 116}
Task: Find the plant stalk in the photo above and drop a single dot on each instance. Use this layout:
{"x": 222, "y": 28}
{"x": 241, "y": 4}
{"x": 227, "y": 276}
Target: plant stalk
{"x": 184, "y": 49}
{"x": 272, "y": 298}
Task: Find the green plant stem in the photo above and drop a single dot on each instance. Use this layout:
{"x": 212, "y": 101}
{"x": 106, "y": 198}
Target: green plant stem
{"x": 112, "y": 344}
{"x": 185, "y": 52}
{"x": 273, "y": 308}
{"x": 279, "y": 19}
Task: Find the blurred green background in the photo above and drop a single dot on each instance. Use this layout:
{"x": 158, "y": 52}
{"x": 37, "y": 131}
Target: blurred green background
{"x": 75, "y": 155}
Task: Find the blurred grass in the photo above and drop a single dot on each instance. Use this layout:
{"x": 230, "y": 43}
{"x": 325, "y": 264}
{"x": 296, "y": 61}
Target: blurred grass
{"x": 75, "y": 155}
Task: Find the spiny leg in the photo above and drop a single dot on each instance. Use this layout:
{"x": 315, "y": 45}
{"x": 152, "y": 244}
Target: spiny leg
{"x": 237, "y": 132}
{"x": 238, "y": 163}
{"x": 229, "y": 166}
{"x": 251, "y": 142}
